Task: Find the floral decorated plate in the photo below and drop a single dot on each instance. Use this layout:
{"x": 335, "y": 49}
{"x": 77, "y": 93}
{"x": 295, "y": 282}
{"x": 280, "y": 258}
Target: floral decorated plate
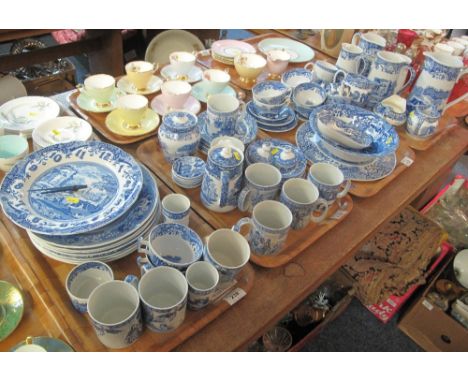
{"x": 112, "y": 177}
{"x": 298, "y": 51}
{"x": 61, "y": 130}
{"x": 11, "y": 308}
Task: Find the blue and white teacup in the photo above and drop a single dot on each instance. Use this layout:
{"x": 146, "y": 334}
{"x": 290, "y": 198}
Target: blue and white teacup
{"x": 295, "y": 77}
{"x": 302, "y": 198}
{"x": 351, "y": 59}
{"x": 83, "y": 279}
{"x": 170, "y": 244}
{"x": 271, "y": 93}
{"x": 202, "y": 279}
{"x": 228, "y": 252}
{"x": 307, "y": 97}
{"x": 176, "y": 209}
{"x": 322, "y": 71}
{"x": 262, "y": 182}
{"x": 223, "y": 111}
{"x": 163, "y": 292}
{"x": 355, "y": 87}
{"x": 269, "y": 227}
{"x": 329, "y": 180}
{"x": 114, "y": 309}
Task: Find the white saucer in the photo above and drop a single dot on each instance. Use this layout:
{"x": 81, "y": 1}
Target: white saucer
{"x": 154, "y": 85}
{"x": 200, "y": 93}
{"x": 169, "y": 73}
{"x": 192, "y": 105}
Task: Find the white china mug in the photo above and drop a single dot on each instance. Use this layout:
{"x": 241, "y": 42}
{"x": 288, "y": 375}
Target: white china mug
{"x": 202, "y": 279}
{"x": 329, "y": 180}
{"x": 322, "y": 70}
{"x": 223, "y": 112}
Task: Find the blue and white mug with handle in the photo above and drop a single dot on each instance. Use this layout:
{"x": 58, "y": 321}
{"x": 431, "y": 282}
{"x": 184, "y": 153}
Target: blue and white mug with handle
{"x": 329, "y": 180}
{"x": 352, "y": 59}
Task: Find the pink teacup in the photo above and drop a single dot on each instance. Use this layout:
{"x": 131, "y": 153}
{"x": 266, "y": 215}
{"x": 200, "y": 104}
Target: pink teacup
{"x": 277, "y": 61}
{"x": 176, "y": 93}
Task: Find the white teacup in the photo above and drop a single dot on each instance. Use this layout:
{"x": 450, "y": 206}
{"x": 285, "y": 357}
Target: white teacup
{"x": 444, "y": 48}
{"x": 139, "y": 73}
{"x": 202, "y": 279}
{"x": 262, "y": 182}
{"x": 114, "y": 309}
{"x": 132, "y": 108}
{"x": 176, "y": 209}
{"x": 99, "y": 87}
{"x": 182, "y": 62}
{"x": 176, "y": 93}
{"x": 329, "y": 180}
{"x": 228, "y": 251}
{"x": 215, "y": 80}
{"x": 322, "y": 70}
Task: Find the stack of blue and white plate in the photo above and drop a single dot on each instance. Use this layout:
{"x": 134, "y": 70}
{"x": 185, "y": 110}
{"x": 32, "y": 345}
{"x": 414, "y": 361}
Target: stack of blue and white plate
{"x": 270, "y": 107}
{"x": 81, "y": 201}
{"x": 188, "y": 171}
{"x": 358, "y": 141}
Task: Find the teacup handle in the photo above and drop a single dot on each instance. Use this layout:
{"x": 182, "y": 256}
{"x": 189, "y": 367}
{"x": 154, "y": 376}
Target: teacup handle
{"x": 411, "y": 78}
{"x": 81, "y": 88}
{"x": 363, "y": 65}
{"x": 343, "y": 193}
{"x": 144, "y": 264}
{"x": 242, "y": 222}
{"x": 339, "y": 76}
{"x": 143, "y": 246}
{"x": 322, "y": 205}
{"x": 309, "y": 64}
{"x": 243, "y": 201}
{"x": 156, "y": 67}
{"x": 355, "y": 37}
{"x": 242, "y": 110}
{"x": 132, "y": 280}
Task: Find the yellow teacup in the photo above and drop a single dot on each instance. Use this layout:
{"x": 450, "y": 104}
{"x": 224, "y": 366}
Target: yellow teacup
{"x": 99, "y": 87}
{"x": 249, "y": 66}
{"x": 132, "y": 109}
{"x": 139, "y": 73}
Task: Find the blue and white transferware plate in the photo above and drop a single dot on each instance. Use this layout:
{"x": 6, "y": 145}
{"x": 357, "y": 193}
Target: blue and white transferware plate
{"x": 124, "y": 226}
{"x": 246, "y": 129}
{"x": 298, "y": 51}
{"x": 200, "y": 91}
{"x": 312, "y": 146}
{"x": 272, "y": 150}
{"x": 112, "y": 177}
{"x": 188, "y": 167}
{"x": 287, "y": 125}
{"x": 261, "y": 116}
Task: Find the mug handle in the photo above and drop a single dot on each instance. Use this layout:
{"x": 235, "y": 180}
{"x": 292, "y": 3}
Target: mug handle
{"x": 343, "y": 193}
{"x": 339, "y": 76}
{"x": 323, "y": 206}
{"x": 244, "y": 221}
{"x": 142, "y": 245}
{"x": 132, "y": 280}
{"x": 242, "y": 110}
{"x": 412, "y": 73}
{"x": 309, "y": 64}
{"x": 363, "y": 65}
{"x": 144, "y": 264}
{"x": 355, "y": 37}
{"x": 244, "y": 201}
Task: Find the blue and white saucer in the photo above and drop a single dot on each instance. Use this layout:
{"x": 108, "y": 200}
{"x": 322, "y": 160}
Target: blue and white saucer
{"x": 313, "y": 148}
{"x": 261, "y": 116}
{"x": 188, "y": 171}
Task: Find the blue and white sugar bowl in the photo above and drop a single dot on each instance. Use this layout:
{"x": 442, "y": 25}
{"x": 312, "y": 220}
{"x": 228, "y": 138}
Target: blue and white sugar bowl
{"x": 179, "y": 135}
{"x": 392, "y": 109}
{"x": 423, "y": 121}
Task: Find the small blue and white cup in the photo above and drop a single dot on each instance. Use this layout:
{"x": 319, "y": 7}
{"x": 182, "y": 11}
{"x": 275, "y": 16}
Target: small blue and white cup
{"x": 322, "y": 71}
{"x": 262, "y": 182}
{"x": 302, "y": 198}
{"x": 163, "y": 292}
{"x": 202, "y": 279}
{"x": 223, "y": 111}
{"x": 329, "y": 180}
{"x": 115, "y": 312}
{"x": 269, "y": 227}
{"x": 83, "y": 279}
{"x": 176, "y": 209}
{"x": 228, "y": 252}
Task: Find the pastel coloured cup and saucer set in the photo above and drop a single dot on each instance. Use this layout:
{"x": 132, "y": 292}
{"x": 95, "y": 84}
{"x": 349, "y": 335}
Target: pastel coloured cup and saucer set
{"x": 215, "y": 81}
{"x": 277, "y": 62}
{"x": 249, "y": 66}
{"x": 140, "y": 78}
{"x": 99, "y": 94}
{"x": 132, "y": 117}
{"x": 182, "y": 67}
{"x": 42, "y": 344}
{"x": 13, "y": 148}
{"x": 175, "y": 96}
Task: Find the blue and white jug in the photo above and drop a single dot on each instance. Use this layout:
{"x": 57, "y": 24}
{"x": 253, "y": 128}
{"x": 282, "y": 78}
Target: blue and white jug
{"x": 422, "y": 121}
{"x": 222, "y": 181}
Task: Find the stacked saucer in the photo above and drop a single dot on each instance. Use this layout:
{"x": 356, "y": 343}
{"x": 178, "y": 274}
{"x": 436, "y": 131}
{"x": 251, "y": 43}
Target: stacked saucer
{"x": 224, "y": 51}
{"x": 188, "y": 171}
{"x": 81, "y": 201}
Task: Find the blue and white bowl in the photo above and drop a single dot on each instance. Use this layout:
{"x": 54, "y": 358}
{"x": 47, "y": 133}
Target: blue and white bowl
{"x": 172, "y": 245}
{"x": 271, "y": 93}
{"x": 307, "y": 97}
{"x": 188, "y": 171}
{"x": 295, "y": 77}
{"x": 83, "y": 279}
{"x": 392, "y": 116}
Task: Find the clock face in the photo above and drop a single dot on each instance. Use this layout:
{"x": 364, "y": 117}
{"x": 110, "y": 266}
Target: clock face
{"x": 332, "y": 37}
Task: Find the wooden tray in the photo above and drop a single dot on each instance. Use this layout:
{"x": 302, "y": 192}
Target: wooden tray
{"x": 151, "y": 155}
{"x": 45, "y": 279}
{"x": 98, "y": 121}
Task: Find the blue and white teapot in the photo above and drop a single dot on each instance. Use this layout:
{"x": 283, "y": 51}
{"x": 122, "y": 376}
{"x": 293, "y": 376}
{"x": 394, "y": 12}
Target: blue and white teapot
{"x": 222, "y": 181}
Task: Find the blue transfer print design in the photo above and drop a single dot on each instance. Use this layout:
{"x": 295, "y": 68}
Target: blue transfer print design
{"x": 271, "y": 92}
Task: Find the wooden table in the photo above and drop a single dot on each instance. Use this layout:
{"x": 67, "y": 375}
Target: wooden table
{"x": 275, "y": 291}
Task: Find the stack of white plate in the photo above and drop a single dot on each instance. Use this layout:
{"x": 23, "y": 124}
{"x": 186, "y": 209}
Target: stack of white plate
{"x": 103, "y": 221}
{"x": 224, "y": 51}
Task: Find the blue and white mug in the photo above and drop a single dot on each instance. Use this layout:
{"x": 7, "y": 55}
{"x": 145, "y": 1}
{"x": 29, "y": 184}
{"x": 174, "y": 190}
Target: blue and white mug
{"x": 223, "y": 111}
{"x": 329, "y": 180}
{"x": 269, "y": 227}
{"x": 302, "y": 198}
{"x": 228, "y": 252}
{"x": 176, "y": 209}
{"x": 202, "y": 279}
{"x": 322, "y": 70}
{"x": 351, "y": 59}
{"x": 262, "y": 182}
{"x": 83, "y": 279}
{"x": 163, "y": 292}
{"x": 114, "y": 309}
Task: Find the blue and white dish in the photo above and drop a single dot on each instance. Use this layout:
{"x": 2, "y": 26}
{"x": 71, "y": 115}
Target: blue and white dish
{"x": 288, "y": 125}
{"x": 113, "y": 178}
{"x": 272, "y": 117}
{"x": 271, "y": 92}
{"x": 307, "y": 96}
{"x": 188, "y": 171}
{"x": 271, "y": 150}
{"x": 294, "y": 77}
{"x": 392, "y": 115}
{"x": 121, "y": 228}
{"x": 312, "y": 146}
{"x": 172, "y": 245}
{"x": 83, "y": 279}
